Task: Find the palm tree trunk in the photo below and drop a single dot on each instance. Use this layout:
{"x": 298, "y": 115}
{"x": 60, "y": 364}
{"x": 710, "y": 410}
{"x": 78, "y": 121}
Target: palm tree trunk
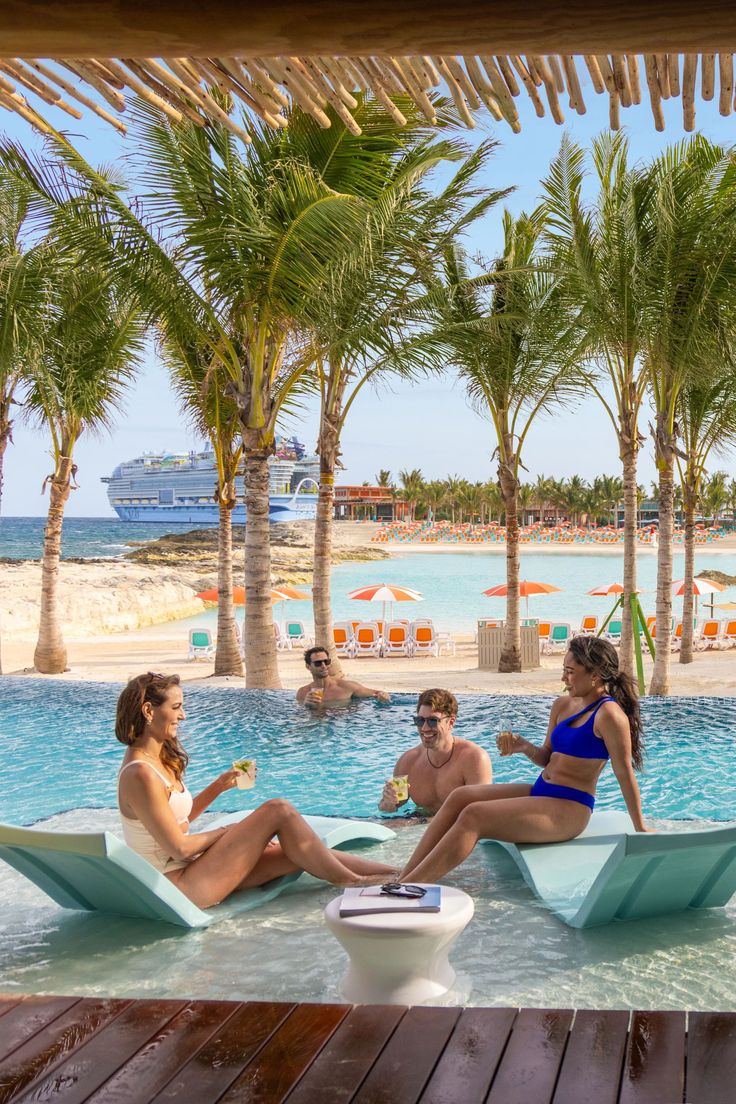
{"x": 628, "y": 460}
{"x": 50, "y": 656}
{"x": 688, "y": 509}
{"x": 660, "y": 683}
{"x": 5, "y": 439}
{"x": 510, "y": 660}
{"x": 261, "y": 666}
{"x": 227, "y": 655}
{"x": 321, "y": 595}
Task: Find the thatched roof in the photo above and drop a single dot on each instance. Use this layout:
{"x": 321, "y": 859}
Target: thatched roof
{"x": 320, "y": 52}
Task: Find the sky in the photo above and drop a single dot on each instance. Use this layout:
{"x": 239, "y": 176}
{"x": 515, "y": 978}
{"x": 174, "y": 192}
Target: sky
{"x": 427, "y": 425}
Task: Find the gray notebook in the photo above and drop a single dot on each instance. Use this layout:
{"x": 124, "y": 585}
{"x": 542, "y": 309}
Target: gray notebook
{"x": 365, "y": 900}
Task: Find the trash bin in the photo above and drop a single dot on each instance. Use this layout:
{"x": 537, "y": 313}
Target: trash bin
{"x": 490, "y": 644}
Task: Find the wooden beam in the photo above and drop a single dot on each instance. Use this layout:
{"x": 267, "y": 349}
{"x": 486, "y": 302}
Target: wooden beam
{"x": 161, "y": 28}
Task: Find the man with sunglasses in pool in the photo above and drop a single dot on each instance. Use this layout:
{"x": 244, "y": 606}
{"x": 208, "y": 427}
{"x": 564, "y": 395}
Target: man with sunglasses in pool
{"x": 441, "y": 761}
{"x": 325, "y": 689}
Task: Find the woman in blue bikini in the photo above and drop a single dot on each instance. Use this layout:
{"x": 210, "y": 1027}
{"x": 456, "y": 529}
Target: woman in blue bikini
{"x": 597, "y": 720}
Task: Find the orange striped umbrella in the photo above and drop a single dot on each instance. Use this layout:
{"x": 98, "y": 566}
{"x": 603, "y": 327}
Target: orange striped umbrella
{"x": 526, "y": 588}
{"x": 386, "y": 593}
{"x": 284, "y": 593}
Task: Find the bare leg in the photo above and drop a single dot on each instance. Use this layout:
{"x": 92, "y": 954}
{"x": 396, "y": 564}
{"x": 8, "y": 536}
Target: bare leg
{"x": 273, "y": 863}
{"x": 227, "y": 863}
{"x": 516, "y": 820}
{"x": 452, "y": 807}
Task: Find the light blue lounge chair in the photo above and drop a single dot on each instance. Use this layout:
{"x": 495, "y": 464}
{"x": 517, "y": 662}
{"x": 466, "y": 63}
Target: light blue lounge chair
{"x": 96, "y": 871}
{"x": 611, "y": 872}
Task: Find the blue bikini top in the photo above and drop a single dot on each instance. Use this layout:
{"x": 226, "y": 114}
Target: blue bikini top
{"x": 582, "y": 741}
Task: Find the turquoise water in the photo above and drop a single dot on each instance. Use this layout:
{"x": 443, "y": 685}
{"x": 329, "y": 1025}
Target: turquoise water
{"x": 333, "y": 764}
{"x": 58, "y": 769}
{"x": 453, "y": 583}
{"x": 21, "y": 538}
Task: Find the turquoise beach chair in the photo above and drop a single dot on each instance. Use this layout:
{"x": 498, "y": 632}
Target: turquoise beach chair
{"x": 610, "y": 872}
{"x": 97, "y": 872}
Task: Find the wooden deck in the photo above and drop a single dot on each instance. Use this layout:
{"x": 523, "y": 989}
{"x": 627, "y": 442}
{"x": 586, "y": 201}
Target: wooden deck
{"x": 139, "y": 1051}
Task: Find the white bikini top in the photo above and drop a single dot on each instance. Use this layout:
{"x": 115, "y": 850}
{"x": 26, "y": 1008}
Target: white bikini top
{"x": 137, "y": 836}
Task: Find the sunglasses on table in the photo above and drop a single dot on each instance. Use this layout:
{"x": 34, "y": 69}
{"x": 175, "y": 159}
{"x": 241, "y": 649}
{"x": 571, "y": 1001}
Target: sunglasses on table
{"x": 321, "y": 662}
{"x": 399, "y": 889}
{"x": 433, "y": 722}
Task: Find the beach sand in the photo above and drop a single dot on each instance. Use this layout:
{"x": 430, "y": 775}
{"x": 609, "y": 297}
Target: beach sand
{"x": 107, "y": 609}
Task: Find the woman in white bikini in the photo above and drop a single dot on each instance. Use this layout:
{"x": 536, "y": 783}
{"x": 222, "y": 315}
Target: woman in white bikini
{"x": 157, "y": 809}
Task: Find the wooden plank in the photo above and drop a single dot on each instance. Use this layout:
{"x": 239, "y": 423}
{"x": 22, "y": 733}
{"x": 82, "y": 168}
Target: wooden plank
{"x": 50, "y": 1045}
{"x": 654, "y": 1067}
{"x": 29, "y": 1016}
{"x": 529, "y": 1067}
{"x": 7, "y": 1002}
{"x": 470, "y": 1059}
{"x": 408, "y": 1060}
{"x": 92, "y": 1064}
{"x": 344, "y": 1062}
{"x": 287, "y": 1054}
{"x": 594, "y": 1058}
{"x": 711, "y": 1058}
{"x": 223, "y": 1058}
{"x": 148, "y": 1071}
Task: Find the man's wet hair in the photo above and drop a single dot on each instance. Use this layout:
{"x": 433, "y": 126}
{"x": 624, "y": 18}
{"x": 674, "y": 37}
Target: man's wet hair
{"x": 313, "y": 651}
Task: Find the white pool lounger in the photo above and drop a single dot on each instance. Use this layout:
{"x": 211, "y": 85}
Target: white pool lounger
{"x": 96, "y": 871}
{"x": 611, "y": 872}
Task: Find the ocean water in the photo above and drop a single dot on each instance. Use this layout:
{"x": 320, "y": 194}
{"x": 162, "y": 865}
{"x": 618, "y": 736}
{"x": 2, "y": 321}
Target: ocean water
{"x": 108, "y": 538}
{"x": 58, "y": 771}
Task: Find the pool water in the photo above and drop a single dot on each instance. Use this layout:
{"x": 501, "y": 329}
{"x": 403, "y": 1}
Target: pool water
{"x": 58, "y": 770}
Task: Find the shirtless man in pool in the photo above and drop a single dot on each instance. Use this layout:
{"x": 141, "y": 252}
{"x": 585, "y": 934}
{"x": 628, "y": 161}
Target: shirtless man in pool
{"x": 325, "y": 689}
{"x": 441, "y": 762}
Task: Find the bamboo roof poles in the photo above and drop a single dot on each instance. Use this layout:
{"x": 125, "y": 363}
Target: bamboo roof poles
{"x": 181, "y": 87}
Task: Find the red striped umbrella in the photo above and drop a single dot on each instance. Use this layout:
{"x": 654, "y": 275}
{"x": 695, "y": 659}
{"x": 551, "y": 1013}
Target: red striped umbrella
{"x": 387, "y": 593}
{"x": 526, "y": 588}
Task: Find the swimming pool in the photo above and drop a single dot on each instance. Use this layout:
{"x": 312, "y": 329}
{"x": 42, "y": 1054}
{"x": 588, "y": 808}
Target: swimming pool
{"x": 59, "y": 765}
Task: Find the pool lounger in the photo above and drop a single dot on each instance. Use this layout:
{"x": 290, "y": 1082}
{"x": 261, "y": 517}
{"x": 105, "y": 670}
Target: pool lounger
{"x": 96, "y": 871}
{"x": 611, "y": 872}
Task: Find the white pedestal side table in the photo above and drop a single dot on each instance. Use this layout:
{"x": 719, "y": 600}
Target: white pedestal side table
{"x": 400, "y": 957}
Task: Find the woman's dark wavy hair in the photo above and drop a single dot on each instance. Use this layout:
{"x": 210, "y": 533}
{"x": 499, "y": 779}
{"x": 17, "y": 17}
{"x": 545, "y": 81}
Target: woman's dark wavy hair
{"x": 130, "y": 722}
{"x": 599, "y": 657}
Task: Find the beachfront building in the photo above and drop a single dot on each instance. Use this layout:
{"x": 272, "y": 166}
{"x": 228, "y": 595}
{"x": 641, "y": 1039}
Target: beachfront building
{"x": 372, "y": 503}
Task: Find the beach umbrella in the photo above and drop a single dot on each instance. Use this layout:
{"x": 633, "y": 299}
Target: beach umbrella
{"x": 387, "y": 593}
{"x": 280, "y": 594}
{"x": 605, "y": 589}
{"x": 526, "y": 588}
{"x": 700, "y": 587}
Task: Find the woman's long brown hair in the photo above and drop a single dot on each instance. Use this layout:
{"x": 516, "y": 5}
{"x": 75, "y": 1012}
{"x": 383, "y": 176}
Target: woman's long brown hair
{"x": 599, "y": 657}
{"x": 130, "y": 722}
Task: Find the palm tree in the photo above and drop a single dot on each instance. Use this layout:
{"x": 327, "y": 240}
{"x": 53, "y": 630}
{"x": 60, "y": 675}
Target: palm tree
{"x": 91, "y": 346}
{"x": 23, "y": 277}
{"x": 595, "y": 248}
{"x": 707, "y": 421}
{"x": 412, "y": 487}
{"x": 193, "y": 372}
{"x": 251, "y": 235}
{"x": 688, "y": 276}
{"x": 384, "y": 478}
{"x": 511, "y": 345}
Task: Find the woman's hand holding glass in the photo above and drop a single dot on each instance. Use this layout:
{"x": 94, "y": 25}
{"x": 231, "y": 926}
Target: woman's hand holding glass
{"x": 510, "y": 743}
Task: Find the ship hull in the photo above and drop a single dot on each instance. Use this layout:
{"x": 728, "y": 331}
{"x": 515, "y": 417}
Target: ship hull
{"x": 280, "y": 508}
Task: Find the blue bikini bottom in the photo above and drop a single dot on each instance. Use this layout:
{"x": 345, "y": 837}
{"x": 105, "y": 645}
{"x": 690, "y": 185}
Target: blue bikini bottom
{"x": 542, "y": 788}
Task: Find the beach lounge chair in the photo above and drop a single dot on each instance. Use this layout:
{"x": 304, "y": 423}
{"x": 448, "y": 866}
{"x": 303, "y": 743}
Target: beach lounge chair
{"x": 710, "y": 635}
{"x": 201, "y": 644}
{"x": 96, "y": 871}
{"x": 544, "y": 628}
{"x": 729, "y": 635}
{"x": 342, "y": 635}
{"x": 367, "y": 639}
{"x": 559, "y": 638}
{"x": 396, "y": 639}
{"x": 283, "y": 643}
{"x": 611, "y": 872}
{"x": 239, "y": 638}
{"x": 588, "y": 625}
{"x": 297, "y": 634}
{"x": 613, "y": 632}
{"x": 424, "y": 639}
{"x": 676, "y": 638}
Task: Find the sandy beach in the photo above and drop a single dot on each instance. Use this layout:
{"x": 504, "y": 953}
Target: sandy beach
{"x": 120, "y": 619}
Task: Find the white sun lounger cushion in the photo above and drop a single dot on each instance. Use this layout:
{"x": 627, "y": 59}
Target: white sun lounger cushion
{"x": 96, "y": 871}
{"x": 611, "y": 872}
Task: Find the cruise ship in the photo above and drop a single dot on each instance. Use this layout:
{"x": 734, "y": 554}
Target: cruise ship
{"x": 179, "y": 487}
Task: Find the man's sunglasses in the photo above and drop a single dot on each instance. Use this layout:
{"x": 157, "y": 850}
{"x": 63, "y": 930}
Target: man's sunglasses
{"x": 321, "y": 662}
{"x": 399, "y": 889}
{"x": 433, "y": 722}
